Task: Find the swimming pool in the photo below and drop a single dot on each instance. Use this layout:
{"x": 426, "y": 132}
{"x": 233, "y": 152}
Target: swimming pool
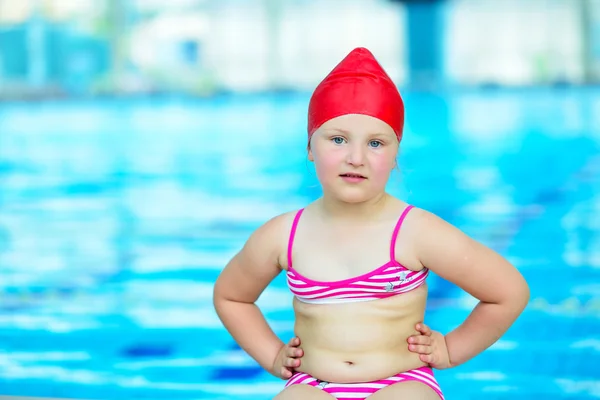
{"x": 116, "y": 217}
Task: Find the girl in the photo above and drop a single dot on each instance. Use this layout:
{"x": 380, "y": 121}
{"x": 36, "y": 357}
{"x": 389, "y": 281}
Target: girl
{"x": 357, "y": 260}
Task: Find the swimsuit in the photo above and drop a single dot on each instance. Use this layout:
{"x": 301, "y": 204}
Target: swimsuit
{"x": 390, "y": 279}
{"x": 360, "y": 391}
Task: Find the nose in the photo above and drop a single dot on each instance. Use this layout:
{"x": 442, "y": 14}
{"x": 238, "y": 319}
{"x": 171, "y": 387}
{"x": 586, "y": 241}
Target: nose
{"x": 356, "y": 155}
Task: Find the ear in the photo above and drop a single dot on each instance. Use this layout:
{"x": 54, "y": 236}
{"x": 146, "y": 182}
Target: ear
{"x": 310, "y": 155}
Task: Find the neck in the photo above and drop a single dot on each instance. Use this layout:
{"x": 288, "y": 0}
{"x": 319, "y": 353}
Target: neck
{"x": 335, "y": 209}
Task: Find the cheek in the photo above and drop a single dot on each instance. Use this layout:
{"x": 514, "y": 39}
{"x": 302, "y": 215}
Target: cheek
{"x": 327, "y": 163}
{"x": 381, "y": 169}
{"x": 383, "y": 165}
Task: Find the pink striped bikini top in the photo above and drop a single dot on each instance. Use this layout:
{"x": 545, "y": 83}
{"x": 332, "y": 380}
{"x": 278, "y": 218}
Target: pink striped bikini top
{"x": 388, "y": 280}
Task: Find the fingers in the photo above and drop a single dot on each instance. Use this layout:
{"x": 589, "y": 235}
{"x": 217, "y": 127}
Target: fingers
{"x": 424, "y": 329}
{"x": 286, "y": 373}
{"x": 419, "y": 339}
{"x": 420, "y": 349}
{"x": 293, "y": 352}
{"x": 420, "y": 344}
{"x": 292, "y": 357}
{"x": 427, "y": 358}
{"x": 287, "y": 370}
{"x": 291, "y": 362}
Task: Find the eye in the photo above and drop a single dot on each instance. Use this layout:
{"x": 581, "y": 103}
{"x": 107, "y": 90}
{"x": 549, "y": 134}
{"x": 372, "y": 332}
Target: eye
{"x": 338, "y": 140}
{"x": 375, "y": 143}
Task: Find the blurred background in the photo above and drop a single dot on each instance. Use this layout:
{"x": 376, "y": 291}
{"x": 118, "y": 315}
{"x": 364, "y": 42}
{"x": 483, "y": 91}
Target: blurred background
{"x": 142, "y": 141}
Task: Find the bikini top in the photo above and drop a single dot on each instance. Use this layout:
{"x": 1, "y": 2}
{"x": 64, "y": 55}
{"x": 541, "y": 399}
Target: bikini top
{"x": 388, "y": 280}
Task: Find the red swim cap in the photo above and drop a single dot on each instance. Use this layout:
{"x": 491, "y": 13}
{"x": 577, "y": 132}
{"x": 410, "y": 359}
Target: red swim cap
{"x": 357, "y": 85}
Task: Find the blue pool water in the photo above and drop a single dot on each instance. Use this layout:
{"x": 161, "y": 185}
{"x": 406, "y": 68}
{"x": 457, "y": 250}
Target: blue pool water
{"x": 116, "y": 217}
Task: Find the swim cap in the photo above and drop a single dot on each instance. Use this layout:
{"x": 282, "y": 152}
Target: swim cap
{"x": 357, "y": 85}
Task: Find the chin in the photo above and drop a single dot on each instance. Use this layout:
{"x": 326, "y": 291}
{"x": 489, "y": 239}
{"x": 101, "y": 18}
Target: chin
{"x": 353, "y": 196}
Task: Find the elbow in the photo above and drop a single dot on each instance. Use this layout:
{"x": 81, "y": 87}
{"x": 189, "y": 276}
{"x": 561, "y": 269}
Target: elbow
{"x": 221, "y": 298}
{"x": 515, "y": 299}
{"x": 525, "y": 295}
{"x": 217, "y": 296}
{"x": 520, "y": 297}
{"x": 219, "y": 303}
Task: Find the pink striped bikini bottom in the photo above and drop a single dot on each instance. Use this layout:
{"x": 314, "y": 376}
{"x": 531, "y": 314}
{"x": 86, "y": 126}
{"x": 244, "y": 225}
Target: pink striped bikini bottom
{"x": 360, "y": 391}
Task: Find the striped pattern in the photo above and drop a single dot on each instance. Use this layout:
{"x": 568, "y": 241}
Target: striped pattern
{"x": 388, "y": 280}
{"x": 354, "y": 391}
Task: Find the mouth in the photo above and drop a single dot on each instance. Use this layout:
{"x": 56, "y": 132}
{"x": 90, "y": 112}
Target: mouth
{"x": 353, "y": 175}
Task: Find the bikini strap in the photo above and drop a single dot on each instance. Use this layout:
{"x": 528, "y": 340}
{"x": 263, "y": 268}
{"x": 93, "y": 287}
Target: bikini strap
{"x": 395, "y": 234}
{"x": 292, "y": 235}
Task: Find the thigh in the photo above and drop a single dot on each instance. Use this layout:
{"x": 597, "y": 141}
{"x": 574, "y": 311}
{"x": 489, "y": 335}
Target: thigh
{"x": 303, "y": 392}
{"x": 406, "y": 390}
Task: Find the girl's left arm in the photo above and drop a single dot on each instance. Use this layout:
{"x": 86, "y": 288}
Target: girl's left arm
{"x": 500, "y": 288}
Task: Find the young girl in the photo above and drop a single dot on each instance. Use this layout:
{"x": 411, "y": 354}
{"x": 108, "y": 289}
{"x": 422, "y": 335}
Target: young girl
{"x": 357, "y": 260}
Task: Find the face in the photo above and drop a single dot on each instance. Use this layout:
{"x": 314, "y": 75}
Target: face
{"x": 354, "y": 155}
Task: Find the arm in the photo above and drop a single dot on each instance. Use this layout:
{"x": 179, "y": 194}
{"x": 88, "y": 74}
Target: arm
{"x": 500, "y": 288}
{"x": 240, "y": 284}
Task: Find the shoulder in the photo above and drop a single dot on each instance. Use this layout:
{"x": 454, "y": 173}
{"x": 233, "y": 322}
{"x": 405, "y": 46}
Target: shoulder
{"x": 272, "y": 236}
{"x": 252, "y": 268}
{"x": 455, "y": 256}
{"x": 415, "y": 228}
{"x": 430, "y": 237}
{"x": 276, "y": 227}
{"x": 422, "y": 220}
{"x": 430, "y": 232}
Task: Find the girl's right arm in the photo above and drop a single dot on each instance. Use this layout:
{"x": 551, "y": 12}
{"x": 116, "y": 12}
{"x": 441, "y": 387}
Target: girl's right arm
{"x": 242, "y": 282}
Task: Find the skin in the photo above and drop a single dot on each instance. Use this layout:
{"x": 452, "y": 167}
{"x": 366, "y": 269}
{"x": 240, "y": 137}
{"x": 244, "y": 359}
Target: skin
{"x": 347, "y": 233}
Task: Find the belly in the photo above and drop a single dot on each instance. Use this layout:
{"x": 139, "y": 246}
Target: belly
{"x": 361, "y": 341}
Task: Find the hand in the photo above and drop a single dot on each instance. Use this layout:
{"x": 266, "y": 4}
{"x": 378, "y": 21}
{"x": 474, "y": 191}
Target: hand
{"x": 287, "y": 359}
{"x": 431, "y": 347}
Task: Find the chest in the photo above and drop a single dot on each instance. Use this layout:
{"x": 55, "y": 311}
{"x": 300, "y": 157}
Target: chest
{"x": 337, "y": 255}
